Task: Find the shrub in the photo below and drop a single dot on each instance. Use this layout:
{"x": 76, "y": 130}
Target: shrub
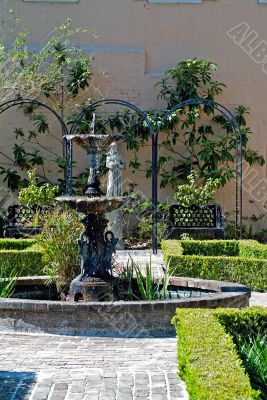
{"x": 27, "y": 262}
{"x": 37, "y": 194}
{"x": 16, "y": 244}
{"x": 193, "y": 193}
{"x": 252, "y": 248}
{"x": 208, "y": 361}
{"x": 246, "y": 322}
{"x": 172, "y": 248}
{"x": 248, "y": 271}
{"x": 248, "y": 329}
{"x": 210, "y": 247}
{"x": 253, "y": 354}
{"x": 58, "y": 241}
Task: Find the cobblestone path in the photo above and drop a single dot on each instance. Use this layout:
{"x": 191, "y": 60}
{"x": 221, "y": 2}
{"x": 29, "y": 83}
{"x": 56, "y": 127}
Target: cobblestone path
{"x": 50, "y": 367}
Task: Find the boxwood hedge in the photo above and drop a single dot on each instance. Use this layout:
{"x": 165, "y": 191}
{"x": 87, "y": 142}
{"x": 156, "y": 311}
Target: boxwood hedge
{"x": 16, "y": 244}
{"x": 21, "y": 255}
{"x": 208, "y": 361}
{"x": 252, "y": 248}
{"x": 247, "y": 322}
{"x": 248, "y": 269}
{"x": 210, "y": 247}
{"x": 26, "y": 262}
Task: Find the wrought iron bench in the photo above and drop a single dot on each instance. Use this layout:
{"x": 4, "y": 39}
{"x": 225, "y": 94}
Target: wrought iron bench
{"x": 16, "y": 222}
{"x": 195, "y": 220}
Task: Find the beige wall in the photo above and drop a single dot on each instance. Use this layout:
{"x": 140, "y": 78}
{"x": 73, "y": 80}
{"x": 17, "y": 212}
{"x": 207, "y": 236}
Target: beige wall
{"x": 138, "y": 41}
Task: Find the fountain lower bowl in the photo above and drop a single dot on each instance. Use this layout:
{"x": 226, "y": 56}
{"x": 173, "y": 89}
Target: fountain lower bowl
{"x": 94, "y": 205}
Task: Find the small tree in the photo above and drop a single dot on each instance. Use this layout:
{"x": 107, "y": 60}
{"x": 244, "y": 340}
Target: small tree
{"x": 57, "y": 72}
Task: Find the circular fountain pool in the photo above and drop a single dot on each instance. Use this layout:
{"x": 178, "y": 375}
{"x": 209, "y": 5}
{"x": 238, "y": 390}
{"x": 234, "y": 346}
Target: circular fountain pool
{"x": 119, "y": 318}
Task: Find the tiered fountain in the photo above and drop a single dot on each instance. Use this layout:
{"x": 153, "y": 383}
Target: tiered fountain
{"x": 96, "y": 244}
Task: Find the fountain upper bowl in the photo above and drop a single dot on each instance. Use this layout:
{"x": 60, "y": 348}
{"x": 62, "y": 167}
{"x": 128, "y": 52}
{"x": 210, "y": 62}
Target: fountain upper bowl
{"x": 94, "y": 205}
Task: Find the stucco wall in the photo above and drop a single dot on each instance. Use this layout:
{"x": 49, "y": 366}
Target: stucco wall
{"x": 138, "y": 41}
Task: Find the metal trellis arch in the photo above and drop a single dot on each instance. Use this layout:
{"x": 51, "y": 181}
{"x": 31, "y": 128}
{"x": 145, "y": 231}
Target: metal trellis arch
{"x": 154, "y": 134}
{"x": 20, "y": 101}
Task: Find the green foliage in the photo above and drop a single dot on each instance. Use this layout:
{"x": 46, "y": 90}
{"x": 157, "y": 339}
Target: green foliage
{"x": 208, "y": 361}
{"x": 27, "y": 262}
{"x": 141, "y": 210}
{"x": 248, "y": 329}
{"x": 252, "y": 248}
{"x": 136, "y": 283}
{"x": 147, "y": 288}
{"x": 192, "y": 194}
{"x": 247, "y": 322}
{"x": 43, "y": 71}
{"x": 124, "y": 283}
{"x": 7, "y": 282}
{"x": 193, "y": 138}
{"x": 186, "y": 236}
{"x": 79, "y": 75}
{"x": 58, "y": 241}
{"x": 229, "y": 248}
{"x": 247, "y": 271}
{"x": 189, "y": 79}
{"x": 254, "y": 357}
{"x": 59, "y": 71}
{"x": 16, "y": 244}
{"x": 210, "y": 146}
{"x": 37, "y": 195}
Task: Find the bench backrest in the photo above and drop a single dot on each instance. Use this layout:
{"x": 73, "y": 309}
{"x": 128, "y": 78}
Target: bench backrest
{"x": 209, "y": 216}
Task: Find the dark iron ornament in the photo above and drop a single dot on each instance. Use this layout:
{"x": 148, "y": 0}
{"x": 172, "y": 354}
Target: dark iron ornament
{"x": 195, "y": 220}
{"x": 154, "y": 139}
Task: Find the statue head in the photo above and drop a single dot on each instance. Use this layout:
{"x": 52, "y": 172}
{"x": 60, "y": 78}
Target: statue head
{"x": 113, "y": 148}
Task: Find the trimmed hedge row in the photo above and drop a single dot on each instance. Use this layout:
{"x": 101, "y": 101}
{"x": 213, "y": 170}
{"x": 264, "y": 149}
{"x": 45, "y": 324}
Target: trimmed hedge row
{"x": 26, "y": 262}
{"x": 248, "y": 271}
{"x": 247, "y": 322}
{"x": 16, "y": 244}
{"x": 252, "y": 248}
{"x": 208, "y": 361}
{"x": 228, "y": 248}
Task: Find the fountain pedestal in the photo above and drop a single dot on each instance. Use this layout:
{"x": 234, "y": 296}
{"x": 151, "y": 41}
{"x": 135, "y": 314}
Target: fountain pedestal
{"x": 96, "y": 243}
{"x": 96, "y": 246}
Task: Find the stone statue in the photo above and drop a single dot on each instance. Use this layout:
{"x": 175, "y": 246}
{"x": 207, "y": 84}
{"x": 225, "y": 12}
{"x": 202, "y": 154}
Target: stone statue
{"x": 114, "y": 164}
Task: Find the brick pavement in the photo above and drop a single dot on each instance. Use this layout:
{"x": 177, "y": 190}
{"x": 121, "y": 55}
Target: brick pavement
{"x": 50, "y": 367}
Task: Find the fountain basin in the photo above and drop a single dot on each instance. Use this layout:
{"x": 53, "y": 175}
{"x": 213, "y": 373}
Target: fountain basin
{"x": 120, "y": 318}
{"x": 92, "y": 205}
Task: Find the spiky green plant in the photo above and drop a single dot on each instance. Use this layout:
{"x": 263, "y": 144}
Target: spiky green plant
{"x": 148, "y": 288}
{"x": 253, "y": 353}
{"x": 7, "y": 283}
